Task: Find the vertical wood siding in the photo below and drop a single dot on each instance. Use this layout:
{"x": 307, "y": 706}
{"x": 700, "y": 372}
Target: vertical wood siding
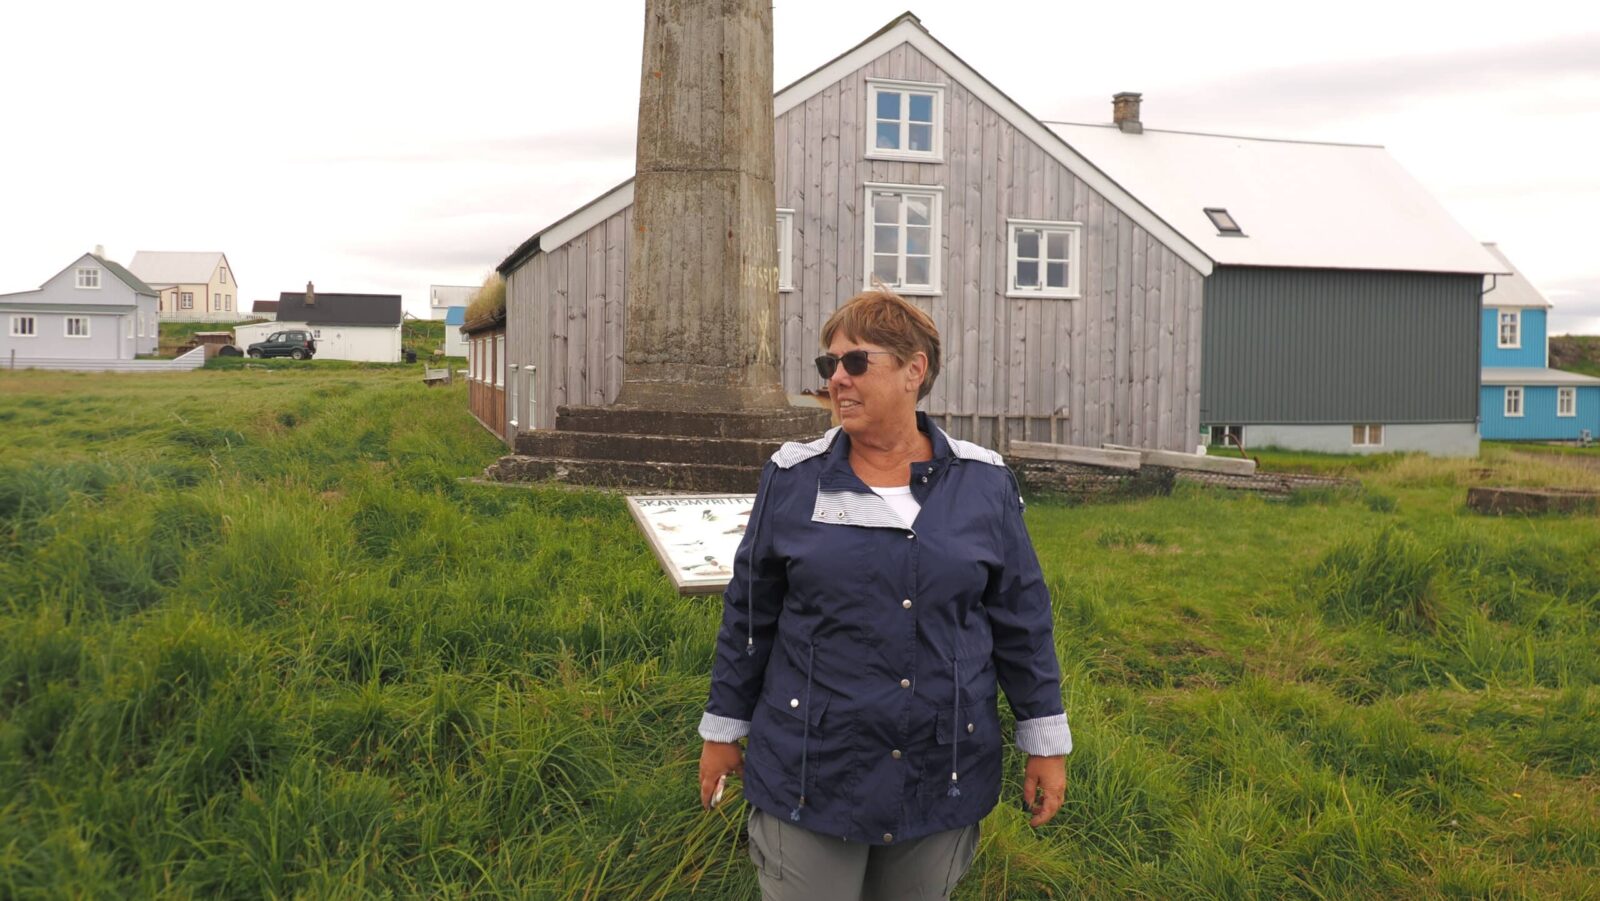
{"x": 1119, "y": 364}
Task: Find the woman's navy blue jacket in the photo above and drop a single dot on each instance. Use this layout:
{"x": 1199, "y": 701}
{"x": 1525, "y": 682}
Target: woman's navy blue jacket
{"x": 861, "y": 657}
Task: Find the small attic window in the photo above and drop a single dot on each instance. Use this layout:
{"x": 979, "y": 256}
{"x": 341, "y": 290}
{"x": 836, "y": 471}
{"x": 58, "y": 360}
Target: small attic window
{"x": 1224, "y": 222}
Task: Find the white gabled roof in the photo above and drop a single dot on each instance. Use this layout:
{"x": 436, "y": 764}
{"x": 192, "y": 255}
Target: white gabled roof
{"x": 1512, "y": 290}
{"x": 1300, "y": 204}
{"x": 175, "y": 267}
{"x": 906, "y": 29}
{"x": 1507, "y": 375}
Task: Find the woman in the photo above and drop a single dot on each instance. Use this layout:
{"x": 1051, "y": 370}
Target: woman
{"x": 884, "y": 587}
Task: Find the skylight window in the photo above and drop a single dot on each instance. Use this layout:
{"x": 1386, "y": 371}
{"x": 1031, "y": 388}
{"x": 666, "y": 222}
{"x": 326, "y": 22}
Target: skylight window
{"x": 1224, "y": 222}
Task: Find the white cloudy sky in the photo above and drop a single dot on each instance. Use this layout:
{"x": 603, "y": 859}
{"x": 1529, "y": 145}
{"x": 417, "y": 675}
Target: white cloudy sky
{"x": 385, "y": 146}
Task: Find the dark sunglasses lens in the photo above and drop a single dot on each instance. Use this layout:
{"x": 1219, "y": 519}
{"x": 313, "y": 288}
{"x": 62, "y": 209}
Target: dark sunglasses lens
{"x": 826, "y": 364}
{"x": 855, "y": 362}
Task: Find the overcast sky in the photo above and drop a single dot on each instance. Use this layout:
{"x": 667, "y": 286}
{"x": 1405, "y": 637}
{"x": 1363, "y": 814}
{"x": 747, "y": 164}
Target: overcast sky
{"x": 373, "y": 147}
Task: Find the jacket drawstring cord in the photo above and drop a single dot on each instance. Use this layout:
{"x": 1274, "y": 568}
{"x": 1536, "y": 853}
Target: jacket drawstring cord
{"x": 750, "y": 580}
{"x": 955, "y": 729}
{"x": 805, "y": 734}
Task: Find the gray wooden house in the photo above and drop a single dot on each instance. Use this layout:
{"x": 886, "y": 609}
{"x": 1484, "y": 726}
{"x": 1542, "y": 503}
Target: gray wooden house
{"x": 1069, "y": 311}
{"x": 92, "y": 315}
{"x": 1342, "y": 311}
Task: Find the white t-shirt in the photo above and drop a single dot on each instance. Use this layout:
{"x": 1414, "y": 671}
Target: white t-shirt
{"x": 900, "y": 501}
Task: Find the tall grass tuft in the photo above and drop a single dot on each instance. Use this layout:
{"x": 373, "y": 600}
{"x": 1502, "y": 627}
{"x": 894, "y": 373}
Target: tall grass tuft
{"x": 1387, "y": 580}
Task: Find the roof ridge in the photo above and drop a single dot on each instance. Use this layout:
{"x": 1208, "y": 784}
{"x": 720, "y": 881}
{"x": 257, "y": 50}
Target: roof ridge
{"x": 1214, "y": 134}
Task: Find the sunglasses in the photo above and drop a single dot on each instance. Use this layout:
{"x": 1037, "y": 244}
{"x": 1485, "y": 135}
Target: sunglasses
{"x": 855, "y": 362}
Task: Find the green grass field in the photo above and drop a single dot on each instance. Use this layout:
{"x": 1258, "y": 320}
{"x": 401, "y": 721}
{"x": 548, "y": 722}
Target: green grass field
{"x": 257, "y": 639}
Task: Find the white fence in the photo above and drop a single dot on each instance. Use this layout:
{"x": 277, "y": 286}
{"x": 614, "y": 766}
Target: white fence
{"x": 189, "y": 361}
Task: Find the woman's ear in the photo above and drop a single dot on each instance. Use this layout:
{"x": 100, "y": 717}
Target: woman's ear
{"x": 916, "y": 371}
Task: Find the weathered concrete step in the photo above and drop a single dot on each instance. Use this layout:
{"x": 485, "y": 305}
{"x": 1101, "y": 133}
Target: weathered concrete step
{"x": 785, "y": 424}
{"x": 646, "y": 448}
{"x": 686, "y": 477}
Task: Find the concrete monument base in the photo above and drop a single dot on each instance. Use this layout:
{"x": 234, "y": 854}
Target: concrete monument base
{"x": 659, "y": 450}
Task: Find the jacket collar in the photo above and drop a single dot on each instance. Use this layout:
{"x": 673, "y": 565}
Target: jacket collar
{"x": 838, "y": 476}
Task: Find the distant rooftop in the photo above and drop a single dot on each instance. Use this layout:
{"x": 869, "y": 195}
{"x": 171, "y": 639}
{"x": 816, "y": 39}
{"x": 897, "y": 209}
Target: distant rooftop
{"x": 1304, "y": 204}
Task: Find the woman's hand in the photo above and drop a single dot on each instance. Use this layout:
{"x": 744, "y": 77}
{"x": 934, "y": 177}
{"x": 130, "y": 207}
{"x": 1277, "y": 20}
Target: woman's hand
{"x": 1044, "y": 776}
{"x": 717, "y": 759}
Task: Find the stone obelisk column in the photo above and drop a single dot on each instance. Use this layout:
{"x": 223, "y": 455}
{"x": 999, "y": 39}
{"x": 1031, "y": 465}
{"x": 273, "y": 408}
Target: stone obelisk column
{"x": 702, "y": 321}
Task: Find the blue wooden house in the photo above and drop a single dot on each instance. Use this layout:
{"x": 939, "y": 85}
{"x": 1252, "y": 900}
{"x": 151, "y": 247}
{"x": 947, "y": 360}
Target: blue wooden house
{"x": 1521, "y": 397}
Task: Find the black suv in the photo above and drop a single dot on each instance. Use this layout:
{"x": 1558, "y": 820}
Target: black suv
{"x": 295, "y": 343}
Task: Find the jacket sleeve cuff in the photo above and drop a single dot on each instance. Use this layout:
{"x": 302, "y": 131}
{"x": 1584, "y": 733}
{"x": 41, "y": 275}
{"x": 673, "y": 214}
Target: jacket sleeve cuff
{"x": 721, "y": 728}
{"x": 1044, "y": 736}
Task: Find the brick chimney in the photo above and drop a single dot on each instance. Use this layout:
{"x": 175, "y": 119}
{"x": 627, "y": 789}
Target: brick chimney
{"x": 1125, "y": 112}
{"x": 311, "y": 295}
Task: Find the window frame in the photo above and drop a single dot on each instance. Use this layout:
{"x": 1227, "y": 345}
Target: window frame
{"x": 1521, "y": 396}
{"x": 66, "y": 326}
{"x": 185, "y": 300}
{"x": 935, "y": 194}
{"x": 1569, "y": 395}
{"x": 87, "y": 274}
{"x": 499, "y": 361}
{"x": 786, "y": 250}
{"x": 902, "y": 87}
{"x": 1500, "y": 328}
{"x": 33, "y": 325}
{"x": 1366, "y": 430}
{"x": 1074, "y": 230}
{"x": 222, "y": 275}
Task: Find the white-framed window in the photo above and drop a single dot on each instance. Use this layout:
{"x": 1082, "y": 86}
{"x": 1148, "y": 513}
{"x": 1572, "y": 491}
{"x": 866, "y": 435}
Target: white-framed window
{"x": 129, "y": 321}
{"x": 1510, "y": 328}
{"x": 475, "y": 349}
{"x": 77, "y": 327}
{"x": 905, "y": 120}
{"x": 1514, "y": 402}
{"x": 24, "y": 327}
{"x": 903, "y": 237}
{"x": 1566, "y": 402}
{"x": 223, "y": 275}
{"x": 316, "y": 333}
{"x": 1043, "y": 258}
{"x": 227, "y": 301}
{"x": 1225, "y": 435}
{"x": 216, "y": 301}
{"x": 499, "y": 361}
{"x": 1366, "y": 435}
{"x": 186, "y": 300}
{"x": 88, "y": 277}
{"x": 786, "y": 250}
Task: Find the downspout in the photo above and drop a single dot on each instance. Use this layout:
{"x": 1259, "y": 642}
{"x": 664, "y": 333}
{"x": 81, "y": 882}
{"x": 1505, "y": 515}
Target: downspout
{"x": 1477, "y": 396}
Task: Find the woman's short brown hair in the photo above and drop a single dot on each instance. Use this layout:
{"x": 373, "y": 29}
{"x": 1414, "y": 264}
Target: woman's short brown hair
{"x": 891, "y": 322}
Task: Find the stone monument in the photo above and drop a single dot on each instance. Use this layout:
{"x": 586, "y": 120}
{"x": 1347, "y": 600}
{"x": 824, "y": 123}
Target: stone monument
{"x": 701, "y": 405}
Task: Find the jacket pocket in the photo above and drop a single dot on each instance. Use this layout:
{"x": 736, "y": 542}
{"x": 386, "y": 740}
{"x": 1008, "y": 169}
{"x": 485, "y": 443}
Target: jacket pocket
{"x": 793, "y": 705}
{"x": 972, "y": 723}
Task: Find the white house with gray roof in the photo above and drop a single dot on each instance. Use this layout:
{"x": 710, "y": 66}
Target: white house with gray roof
{"x": 193, "y": 286}
{"x": 92, "y": 312}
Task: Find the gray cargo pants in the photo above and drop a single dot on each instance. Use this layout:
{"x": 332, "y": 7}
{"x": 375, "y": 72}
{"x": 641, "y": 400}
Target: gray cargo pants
{"x": 800, "y": 865}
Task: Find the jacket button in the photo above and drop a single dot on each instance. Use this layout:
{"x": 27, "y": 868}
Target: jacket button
{"x": 895, "y": 753}
{"x": 906, "y": 603}
{"x": 795, "y": 702}
{"x": 910, "y": 535}
{"x": 888, "y": 837}
{"x": 905, "y": 683}
{"x": 969, "y": 728}
{"x": 924, "y": 480}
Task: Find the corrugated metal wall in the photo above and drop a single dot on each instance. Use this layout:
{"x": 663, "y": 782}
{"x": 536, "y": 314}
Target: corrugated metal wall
{"x": 1335, "y": 346}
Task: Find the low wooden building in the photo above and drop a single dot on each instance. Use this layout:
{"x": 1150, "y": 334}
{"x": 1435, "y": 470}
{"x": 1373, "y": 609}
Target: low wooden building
{"x": 486, "y": 373}
{"x": 1069, "y": 311}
